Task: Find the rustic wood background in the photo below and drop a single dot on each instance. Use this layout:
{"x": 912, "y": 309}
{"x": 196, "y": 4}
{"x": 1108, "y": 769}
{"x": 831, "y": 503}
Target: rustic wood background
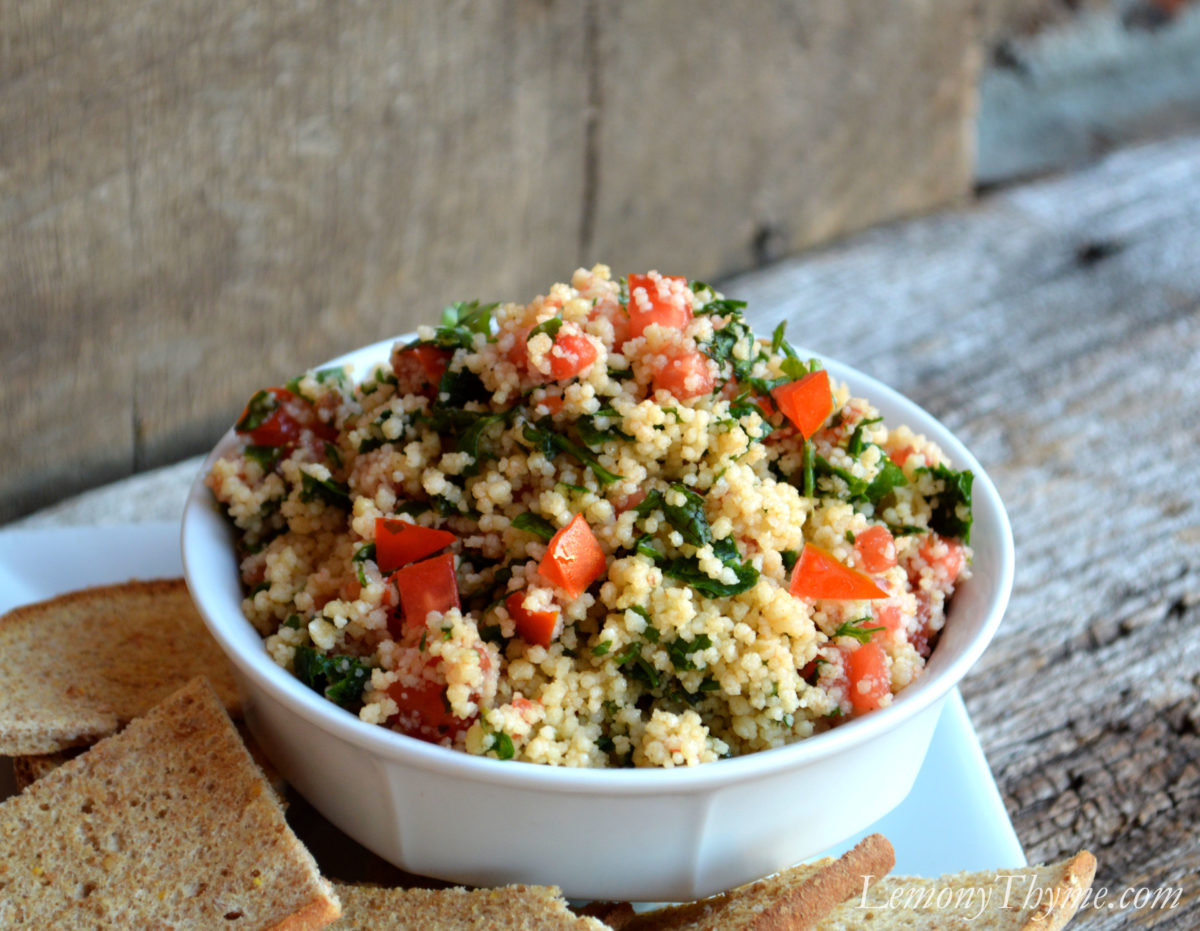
{"x": 196, "y": 200}
{"x": 1057, "y": 98}
{"x": 1055, "y": 326}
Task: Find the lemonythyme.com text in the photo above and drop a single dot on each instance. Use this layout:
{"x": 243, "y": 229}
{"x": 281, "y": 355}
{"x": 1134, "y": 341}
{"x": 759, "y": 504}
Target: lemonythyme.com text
{"x": 1010, "y": 891}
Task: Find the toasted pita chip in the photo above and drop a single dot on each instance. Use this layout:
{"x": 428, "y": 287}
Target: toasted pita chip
{"x": 29, "y": 769}
{"x": 166, "y": 824}
{"x": 507, "y": 908}
{"x": 793, "y": 900}
{"x": 78, "y": 667}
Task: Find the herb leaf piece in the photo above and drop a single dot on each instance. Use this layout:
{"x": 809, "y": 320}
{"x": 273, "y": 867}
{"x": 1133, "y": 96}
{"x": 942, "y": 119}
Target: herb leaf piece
{"x": 468, "y": 316}
{"x": 952, "y": 516}
{"x": 549, "y": 327}
{"x": 265, "y": 456}
{"x": 593, "y": 435}
{"x": 336, "y": 494}
{"x": 535, "y": 524}
{"x": 688, "y": 518}
{"x": 855, "y": 446}
{"x": 361, "y": 555}
{"x": 458, "y": 387}
{"x": 689, "y": 571}
{"x": 681, "y": 651}
{"x": 260, "y": 407}
{"x": 722, "y": 347}
{"x": 503, "y": 746}
{"x": 341, "y": 679}
{"x": 856, "y": 629}
{"x": 548, "y": 441}
{"x": 890, "y": 476}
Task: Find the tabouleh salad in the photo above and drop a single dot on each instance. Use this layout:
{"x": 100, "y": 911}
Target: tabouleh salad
{"x": 610, "y": 527}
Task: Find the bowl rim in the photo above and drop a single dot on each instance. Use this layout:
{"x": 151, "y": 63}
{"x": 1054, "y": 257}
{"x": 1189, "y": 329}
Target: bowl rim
{"x": 203, "y": 522}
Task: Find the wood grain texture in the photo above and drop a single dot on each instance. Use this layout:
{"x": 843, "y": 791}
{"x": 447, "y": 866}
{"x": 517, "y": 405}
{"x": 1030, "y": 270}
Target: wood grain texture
{"x": 1109, "y": 78}
{"x": 774, "y": 126}
{"x": 1056, "y": 329}
{"x": 196, "y": 201}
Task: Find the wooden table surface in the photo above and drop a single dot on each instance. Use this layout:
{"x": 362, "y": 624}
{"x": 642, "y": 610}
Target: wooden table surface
{"x": 1055, "y": 326}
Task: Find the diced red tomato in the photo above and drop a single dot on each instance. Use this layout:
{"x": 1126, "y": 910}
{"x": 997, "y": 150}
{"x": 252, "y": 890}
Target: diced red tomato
{"x": 653, "y": 300}
{"x": 419, "y": 369}
{"x": 536, "y": 627}
{"x": 876, "y": 549}
{"x": 391, "y": 597}
{"x": 429, "y": 585}
{"x": 434, "y": 361}
{"x": 518, "y": 352}
{"x": 574, "y": 559}
{"x": 901, "y": 456}
{"x": 922, "y": 638}
{"x": 819, "y": 575}
{"x": 731, "y": 389}
{"x": 571, "y": 355}
{"x": 277, "y": 417}
{"x": 944, "y": 555}
{"x": 868, "y": 682}
{"x": 685, "y": 375}
{"x": 617, "y": 315}
{"x": 527, "y": 709}
{"x": 631, "y": 500}
{"x": 424, "y": 712}
{"x": 947, "y": 558}
{"x": 552, "y": 402}
{"x": 395, "y": 622}
{"x": 888, "y": 617}
{"x": 807, "y": 402}
{"x": 398, "y": 542}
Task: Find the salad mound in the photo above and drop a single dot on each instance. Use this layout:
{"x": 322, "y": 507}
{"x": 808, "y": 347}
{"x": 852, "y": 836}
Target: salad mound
{"x": 609, "y": 527}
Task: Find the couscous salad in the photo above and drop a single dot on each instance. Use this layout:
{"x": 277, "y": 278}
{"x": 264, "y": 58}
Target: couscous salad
{"x": 610, "y": 527}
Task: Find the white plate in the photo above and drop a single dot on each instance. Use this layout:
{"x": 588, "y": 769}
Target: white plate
{"x": 953, "y": 819}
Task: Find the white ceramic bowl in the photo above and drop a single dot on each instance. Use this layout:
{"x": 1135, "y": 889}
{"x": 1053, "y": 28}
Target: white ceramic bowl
{"x": 641, "y": 835}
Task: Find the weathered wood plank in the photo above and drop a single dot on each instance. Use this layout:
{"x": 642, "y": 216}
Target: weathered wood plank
{"x": 195, "y": 203}
{"x": 1056, "y": 328}
{"x": 775, "y": 126}
{"x": 1112, "y": 76}
{"x": 195, "y": 200}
